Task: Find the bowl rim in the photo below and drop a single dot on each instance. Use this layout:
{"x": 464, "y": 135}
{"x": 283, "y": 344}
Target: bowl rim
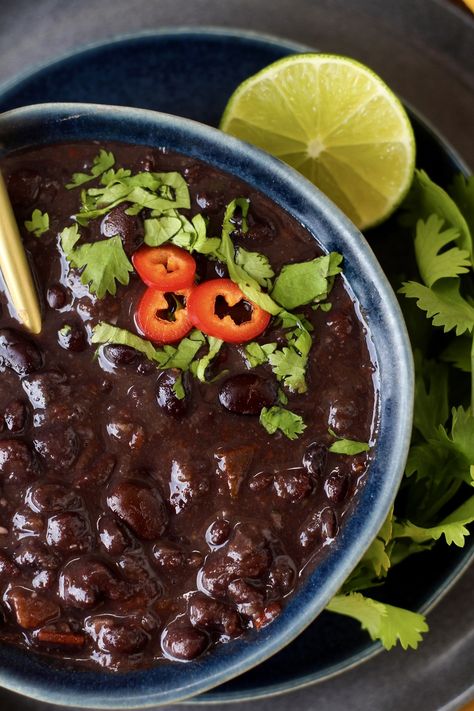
{"x": 307, "y": 204}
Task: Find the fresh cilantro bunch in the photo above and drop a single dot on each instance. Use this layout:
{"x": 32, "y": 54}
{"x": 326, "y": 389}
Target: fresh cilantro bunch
{"x": 436, "y": 501}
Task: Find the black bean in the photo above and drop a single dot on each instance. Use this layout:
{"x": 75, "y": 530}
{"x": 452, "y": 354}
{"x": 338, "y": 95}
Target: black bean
{"x": 57, "y": 297}
{"x": 140, "y": 507}
{"x": 209, "y": 614}
{"x": 314, "y": 458}
{"x": 168, "y": 389}
{"x": 18, "y": 352}
{"x": 336, "y": 486}
{"x": 218, "y": 532}
{"x": 123, "y": 635}
{"x": 247, "y": 393}
{"x": 319, "y": 527}
{"x": 168, "y": 557}
{"x": 57, "y": 445}
{"x": 15, "y": 416}
{"x": 292, "y": 484}
{"x": 183, "y": 642}
{"x": 72, "y": 337}
{"x": 120, "y": 355}
{"x": 51, "y": 497}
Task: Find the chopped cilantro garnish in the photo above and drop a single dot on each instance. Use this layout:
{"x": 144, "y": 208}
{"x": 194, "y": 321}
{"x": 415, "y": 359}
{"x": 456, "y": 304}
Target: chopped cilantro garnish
{"x": 101, "y": 163}
{"x": 180, "y": 356}
{"x": 347, "y": 446}
{"x": 39, "y": 223}
{"x": 178, "y": 388}
{"x": 304, "y": 282}
{"x": 256, "y": 354}
{"x": 103, "y": 263}
{"x": 159, "y": 192}
{"x": 278, "y": 418}
{"x": 256, "y": 265}
{"x": 199, "y": 367}
{"x": 107, "y": 333}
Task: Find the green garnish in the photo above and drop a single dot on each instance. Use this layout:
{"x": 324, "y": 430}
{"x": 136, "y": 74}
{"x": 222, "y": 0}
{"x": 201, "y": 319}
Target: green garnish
{"x": 102, "y": 162}
{"x": 39, "y": 223}
{"x": 348, "y": 446}
{"x": 278, "y": 418}
{"x": 304, "y": 282}
{"x": 103, "y": 263}
{"x": 256, "y": 265}
{"x": 159, "y": 192}
{"x": 199, "y": 367}
{"x": 178, "y": 388}
{"x": 107, "y": 333}
{"x": 180, "y": 356}
{"x": 256, "y": 354}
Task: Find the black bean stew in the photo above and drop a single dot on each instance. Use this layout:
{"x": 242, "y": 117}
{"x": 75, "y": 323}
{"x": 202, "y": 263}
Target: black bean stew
{"x": 158, "y": 500}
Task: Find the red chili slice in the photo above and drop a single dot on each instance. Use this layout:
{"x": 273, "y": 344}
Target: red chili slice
{"x": 153, "y": 320}
{"x": 167, "y": 268}
{"x": 202, "y": 312}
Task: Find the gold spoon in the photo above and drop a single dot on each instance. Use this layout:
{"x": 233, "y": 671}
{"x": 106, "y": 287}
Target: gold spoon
{"x": 15, "y": 268}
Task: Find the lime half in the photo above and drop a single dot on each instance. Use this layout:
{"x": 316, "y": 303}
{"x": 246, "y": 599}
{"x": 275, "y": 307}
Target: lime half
{"x": 337, "y": 123}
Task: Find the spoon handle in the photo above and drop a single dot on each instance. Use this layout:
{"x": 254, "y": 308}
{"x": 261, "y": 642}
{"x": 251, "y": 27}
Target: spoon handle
{"x": 15, "y": 268}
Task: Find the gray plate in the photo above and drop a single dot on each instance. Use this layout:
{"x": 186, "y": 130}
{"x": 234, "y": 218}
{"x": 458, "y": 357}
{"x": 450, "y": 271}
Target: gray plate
{"x": 423, "y": 50}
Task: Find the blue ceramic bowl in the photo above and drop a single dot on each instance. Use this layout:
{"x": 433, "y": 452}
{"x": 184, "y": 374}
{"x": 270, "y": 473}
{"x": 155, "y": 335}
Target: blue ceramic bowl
{"x": 32, "y": 675}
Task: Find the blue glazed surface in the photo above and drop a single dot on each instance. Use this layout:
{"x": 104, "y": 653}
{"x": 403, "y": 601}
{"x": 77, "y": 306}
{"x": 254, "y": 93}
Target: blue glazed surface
{"x": 25, "y": 672}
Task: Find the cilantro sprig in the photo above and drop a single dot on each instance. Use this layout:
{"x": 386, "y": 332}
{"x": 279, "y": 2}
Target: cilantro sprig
{"x": 102, "y": 263}
{"x": 440, "y": 467}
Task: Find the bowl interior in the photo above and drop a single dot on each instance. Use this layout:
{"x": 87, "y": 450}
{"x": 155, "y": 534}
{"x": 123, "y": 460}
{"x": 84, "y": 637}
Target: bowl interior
{"x": 42, "y": 124}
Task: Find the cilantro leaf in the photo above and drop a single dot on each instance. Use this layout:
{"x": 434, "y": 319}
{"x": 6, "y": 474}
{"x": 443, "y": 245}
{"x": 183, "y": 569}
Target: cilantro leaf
{"x": 256, "y": 354}
{"x": 427, "y": 198}
{"x": 348, "y": 446}
{"x": 453, "y": 527}
{"x": 462, "y": 192}
{"x": 303, "y": 282}
{"x": 278, "y": 418}
{"x": 431, "y": 396}
{"x": 199, "y": 367}
{"x": 443, "y": 303}
{"x": 178, "y": 388}
{"x": 384, "y": 622}
{"x": 256, "y": 265}
{"x": 103, "y": 263}
{"x": 39, "y": 223}
{"x": 289, "y": 366}
{"x": 159, "y": 230}
{"x": 107, "y": 333}
{"x": 101, "y": 163}
{"x": 376, "y": 561}
{"x": 458, "y": 352}
{"x": 183, "y": 354}
{"x": 433, "y": 264}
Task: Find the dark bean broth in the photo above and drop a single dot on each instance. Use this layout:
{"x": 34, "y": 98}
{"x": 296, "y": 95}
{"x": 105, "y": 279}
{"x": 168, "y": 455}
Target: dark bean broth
{"x": 136, "y": 527}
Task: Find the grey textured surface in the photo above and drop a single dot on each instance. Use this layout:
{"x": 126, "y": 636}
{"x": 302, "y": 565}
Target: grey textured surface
{"x": 424, "y": 49}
